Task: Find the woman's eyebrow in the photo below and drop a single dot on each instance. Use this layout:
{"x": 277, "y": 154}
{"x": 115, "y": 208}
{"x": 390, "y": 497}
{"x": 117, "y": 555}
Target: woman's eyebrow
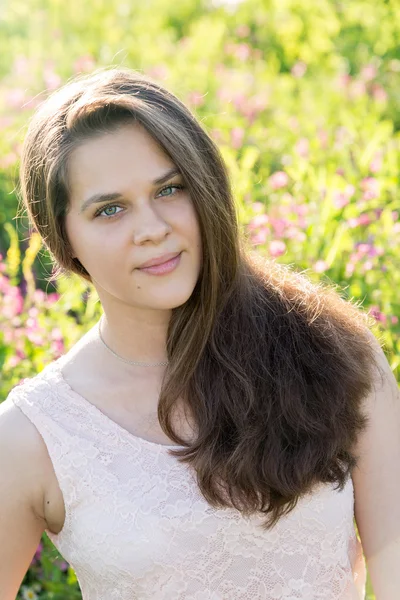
{"x": 97, "y": 198}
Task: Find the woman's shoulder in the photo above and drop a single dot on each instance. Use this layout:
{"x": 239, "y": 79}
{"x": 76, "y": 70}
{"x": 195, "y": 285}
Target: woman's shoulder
{"x": 26, "y": 450}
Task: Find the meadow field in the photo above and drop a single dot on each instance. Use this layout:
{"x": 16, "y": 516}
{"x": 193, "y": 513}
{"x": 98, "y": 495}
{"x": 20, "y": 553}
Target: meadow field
{"x": 301, "y": 97}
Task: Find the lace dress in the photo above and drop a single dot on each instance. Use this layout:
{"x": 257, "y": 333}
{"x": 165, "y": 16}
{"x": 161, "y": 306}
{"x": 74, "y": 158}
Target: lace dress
{"x": 137, "y": 527}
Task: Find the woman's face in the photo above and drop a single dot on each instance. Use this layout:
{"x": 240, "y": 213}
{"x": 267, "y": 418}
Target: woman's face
{"x": 113, "y": 238}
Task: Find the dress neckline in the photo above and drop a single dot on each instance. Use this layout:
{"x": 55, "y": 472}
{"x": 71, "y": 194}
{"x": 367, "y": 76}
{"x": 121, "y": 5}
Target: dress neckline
{"x": 56, "y": 370}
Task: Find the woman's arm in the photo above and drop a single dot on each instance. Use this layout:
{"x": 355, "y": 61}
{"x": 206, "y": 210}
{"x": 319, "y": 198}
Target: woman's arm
{"x": 376, "y": 482}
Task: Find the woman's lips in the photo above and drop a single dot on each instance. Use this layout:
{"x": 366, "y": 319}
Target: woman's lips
{"x": 164, "y": 268}
{"x": 159, "y": 260}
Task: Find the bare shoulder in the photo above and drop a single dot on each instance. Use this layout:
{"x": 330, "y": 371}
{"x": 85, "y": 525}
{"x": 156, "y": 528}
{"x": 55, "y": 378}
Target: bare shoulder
{"x": 25, "y": 448}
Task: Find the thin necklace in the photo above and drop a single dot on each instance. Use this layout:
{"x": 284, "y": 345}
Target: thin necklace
{"x": 131, "y": 362}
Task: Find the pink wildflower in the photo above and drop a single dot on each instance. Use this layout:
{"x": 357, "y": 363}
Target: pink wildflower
{"x": 278, "y": 180}
{"x": 277, "y": 248}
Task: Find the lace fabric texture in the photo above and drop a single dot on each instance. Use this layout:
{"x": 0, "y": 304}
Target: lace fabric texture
{"x": 138, "y": 528}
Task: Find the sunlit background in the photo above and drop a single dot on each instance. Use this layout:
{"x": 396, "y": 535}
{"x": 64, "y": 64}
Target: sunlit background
{"x": 302, "y": 98}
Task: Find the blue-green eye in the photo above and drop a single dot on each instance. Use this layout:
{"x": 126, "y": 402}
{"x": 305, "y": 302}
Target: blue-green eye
{"x": 104, "y": 208}
{"x": 111, "y": 206}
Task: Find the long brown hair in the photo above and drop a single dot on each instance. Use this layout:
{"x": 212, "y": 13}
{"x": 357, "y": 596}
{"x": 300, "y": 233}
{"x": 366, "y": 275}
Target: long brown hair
{"x": 273, "y": 367}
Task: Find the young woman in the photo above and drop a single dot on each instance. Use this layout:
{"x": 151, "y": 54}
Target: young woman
{"x": 215, "y": 434}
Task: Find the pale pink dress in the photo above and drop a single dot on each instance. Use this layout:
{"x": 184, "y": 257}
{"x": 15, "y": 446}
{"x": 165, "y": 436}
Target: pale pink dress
{"x": 137, "y": 527}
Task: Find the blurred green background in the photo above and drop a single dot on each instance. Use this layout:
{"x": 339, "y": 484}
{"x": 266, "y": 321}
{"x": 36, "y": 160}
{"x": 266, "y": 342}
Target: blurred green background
{"x": 302, "y": 99}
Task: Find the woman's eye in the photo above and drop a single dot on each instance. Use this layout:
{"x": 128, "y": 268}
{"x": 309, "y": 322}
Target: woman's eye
{"x": 178, "y": 187}
{"x": 109, "y": 206}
